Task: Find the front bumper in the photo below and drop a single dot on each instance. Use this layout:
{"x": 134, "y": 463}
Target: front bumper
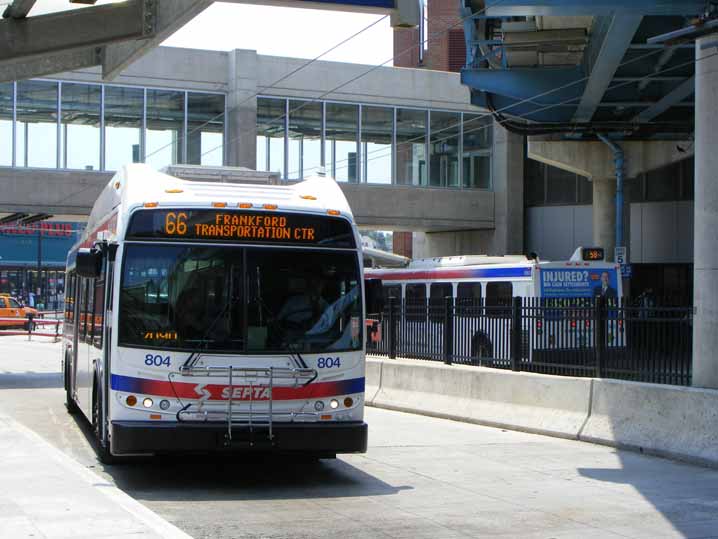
{"x": 147, "y": 437}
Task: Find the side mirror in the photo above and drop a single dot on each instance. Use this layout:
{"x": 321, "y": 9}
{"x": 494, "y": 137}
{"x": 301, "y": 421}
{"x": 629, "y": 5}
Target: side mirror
{"x": 89, "y": 263}
{"x": 373, "y": 295}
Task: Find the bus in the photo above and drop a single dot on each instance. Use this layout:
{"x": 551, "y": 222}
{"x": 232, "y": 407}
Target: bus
{"x": 557, "y": 301}
{"x": 209, "y": 317}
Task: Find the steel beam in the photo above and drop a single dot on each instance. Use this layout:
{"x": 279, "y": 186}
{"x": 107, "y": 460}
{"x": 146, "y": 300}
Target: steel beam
{"x": 530, "y": 93}
{"x": 50, "y": 63}
{"x": 563, "y": 8}
{"x": 18, "y": 9}
{"x": 681, "y": 92}
{"x": 606, "y": 49}
{"x": 170, "y": 16}
{"x": 404, "y": 13}
{"x": 72, "y": 30}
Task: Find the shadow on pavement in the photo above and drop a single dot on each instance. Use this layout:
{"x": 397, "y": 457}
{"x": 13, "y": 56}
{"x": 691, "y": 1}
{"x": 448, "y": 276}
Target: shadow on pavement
{"x": 690, "y": 507}
{"x": 239, "y": 476}
{"x": 30, "y": 380}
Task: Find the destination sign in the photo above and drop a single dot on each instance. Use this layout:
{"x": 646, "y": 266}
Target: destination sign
{"x": 241, "y": 226}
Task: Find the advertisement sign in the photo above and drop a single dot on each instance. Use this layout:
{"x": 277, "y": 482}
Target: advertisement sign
{"x": 578, "y": 283}
{"x": 19, "y": 243}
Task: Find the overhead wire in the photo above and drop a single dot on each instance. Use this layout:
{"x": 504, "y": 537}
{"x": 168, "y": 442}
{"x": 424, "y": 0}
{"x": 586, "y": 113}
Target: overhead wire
{"x": 569, "y": 101}
{"x": 433, "y": 36}
{"x": 531, "y": 99}
{"x": 272, "y": 85}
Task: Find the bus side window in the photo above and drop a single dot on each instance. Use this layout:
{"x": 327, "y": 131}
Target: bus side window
{"x": 468, "y": 294}
{"x": 68, "y": 298}
{"x": 98, "y": 314}
{"x": 499, "y": 294}
{"x": 437, "y": 294}
{"x": 416, "y": 302}
{"x": 82, "y": 308}
{"x": 391, "y": 291}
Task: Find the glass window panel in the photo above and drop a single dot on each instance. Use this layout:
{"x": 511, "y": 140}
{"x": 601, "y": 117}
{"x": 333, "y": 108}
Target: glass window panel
{"x": 663, "y": 184}
{"x": 477, "y": 171}
{"x": 560, "y": 186}
{"x": 444, "y": 148}
{"x": 6, "y": 105}
{"x": 123, "y": 126}
{"x": 270, "y": 134}
{"x": 376, "y": 134}
{"x": 634, "y": 189}
{"x": 342, "y": 128}
{"x": 478, "y": 129}
{"x": 410, "y": 147}
{"x": 305, "y": 138}
{"x": 205, "y": 125}
{"x": 80, "y": 129}
{"x": 688, "y": 179}
{"x": 585, "y": 191}
{"x": 165, "y": 125}
{"x": 36, "y": 124}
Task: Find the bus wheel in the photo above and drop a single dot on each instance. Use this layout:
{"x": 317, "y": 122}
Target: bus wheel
{"x": 70, "y": 404}
{"x": 103, "y": 452}
{"x": 481, "y": 348}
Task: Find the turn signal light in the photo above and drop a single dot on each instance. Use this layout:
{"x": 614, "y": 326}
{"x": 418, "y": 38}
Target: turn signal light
{"x": 348, "y": 402}
{"x": 131, "y": 400}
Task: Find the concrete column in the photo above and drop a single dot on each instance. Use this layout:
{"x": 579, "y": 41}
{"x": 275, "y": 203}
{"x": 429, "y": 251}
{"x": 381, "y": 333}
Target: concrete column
{"x": 705, "y": 269}
{"x": 242, "y": 109}
{"x": 604, "y": 215}
{"x": 508, "y": 184}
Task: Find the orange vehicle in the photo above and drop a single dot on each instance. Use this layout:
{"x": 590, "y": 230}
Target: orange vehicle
{"x": 12, "y": 308}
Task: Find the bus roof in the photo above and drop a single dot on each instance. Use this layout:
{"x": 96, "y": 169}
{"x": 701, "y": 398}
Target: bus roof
{"x": 135, "y": 185}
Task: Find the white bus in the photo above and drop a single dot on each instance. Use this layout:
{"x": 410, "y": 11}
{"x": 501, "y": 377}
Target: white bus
{"x": 217, "y": 316}
{"x": 482, "y": 287}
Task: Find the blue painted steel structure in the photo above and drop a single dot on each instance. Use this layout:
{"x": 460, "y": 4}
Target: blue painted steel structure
{"x": 619, "y": 160}
{"x": 520, "y": 66}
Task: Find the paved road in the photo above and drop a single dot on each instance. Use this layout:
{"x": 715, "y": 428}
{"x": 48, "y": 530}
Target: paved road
{"x": 422, "y": 477}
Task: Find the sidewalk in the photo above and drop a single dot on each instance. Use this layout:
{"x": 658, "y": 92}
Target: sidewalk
{"x": 46, "y": 494}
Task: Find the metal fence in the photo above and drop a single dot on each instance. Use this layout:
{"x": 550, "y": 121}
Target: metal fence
{"x": 597, "y": 337}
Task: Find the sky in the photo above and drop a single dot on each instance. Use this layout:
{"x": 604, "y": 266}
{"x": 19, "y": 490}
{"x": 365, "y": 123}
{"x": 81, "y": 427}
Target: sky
{"x": 292, "y": 32}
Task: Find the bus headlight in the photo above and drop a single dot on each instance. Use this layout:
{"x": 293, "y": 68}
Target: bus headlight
{"x": 131, "y": 400}
{"x": 348, "y": 402}
{"x": 164, "y": 404}
{"x": 147, "y": 403}
{"x": 334, "y": 404}
{"x": 319, "y": 406}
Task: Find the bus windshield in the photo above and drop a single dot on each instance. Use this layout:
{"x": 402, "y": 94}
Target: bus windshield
{"x": 239, "y": 299}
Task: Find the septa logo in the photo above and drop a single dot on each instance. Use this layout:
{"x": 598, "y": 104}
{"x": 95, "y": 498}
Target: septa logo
{"x": 246, "y": 393}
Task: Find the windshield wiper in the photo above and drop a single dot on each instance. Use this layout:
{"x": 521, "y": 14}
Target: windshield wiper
{"x": 272, "y": 320}
{"x": 204, "y": 341}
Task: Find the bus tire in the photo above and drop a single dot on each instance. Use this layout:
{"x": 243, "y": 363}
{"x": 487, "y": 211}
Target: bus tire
{"x": 70, "y": 403}
{"x": 481, "y": 347}
{"x": 103, "y": 452}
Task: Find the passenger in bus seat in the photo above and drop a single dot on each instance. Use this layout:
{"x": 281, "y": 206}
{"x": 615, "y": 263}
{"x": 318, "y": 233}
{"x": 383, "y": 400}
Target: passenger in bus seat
{"x": 303, "y": 307}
